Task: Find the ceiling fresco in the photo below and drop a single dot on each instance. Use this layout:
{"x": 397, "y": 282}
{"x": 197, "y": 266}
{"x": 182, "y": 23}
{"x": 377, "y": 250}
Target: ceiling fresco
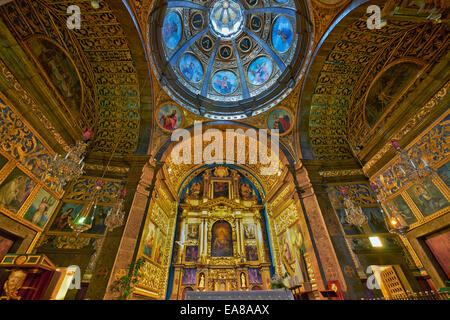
{"x": 105, "y": 64}
{"x": 228, "y": 57}
{"x": 339, "y": 75}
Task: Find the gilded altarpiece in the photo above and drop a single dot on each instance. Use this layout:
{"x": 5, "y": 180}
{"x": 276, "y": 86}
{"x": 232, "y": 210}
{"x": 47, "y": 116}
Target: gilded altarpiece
{"x": 156, "y": 246}
{"x": 291, "y": 258}
{"x": 221, "y": 241}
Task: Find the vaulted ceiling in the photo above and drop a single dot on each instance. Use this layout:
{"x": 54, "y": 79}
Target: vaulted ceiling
{"x": 122, "y": 94}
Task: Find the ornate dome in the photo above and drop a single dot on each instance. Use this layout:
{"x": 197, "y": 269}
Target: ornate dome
{"x": 228, "y": 59}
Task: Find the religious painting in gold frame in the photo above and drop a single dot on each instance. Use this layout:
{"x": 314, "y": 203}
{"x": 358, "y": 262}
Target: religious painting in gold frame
{"x": 221, "y": 189}
{"x": 15, "y": 190}
{"x": 221, "y": 239}
{"x": 41, "y": 209}
{"x": 193, "y": 231}
{"x": 281, "y": 119}
{"x": 59, "y": 70}
{"x": 388, "y": 86}
{"x": 169, "y": 117}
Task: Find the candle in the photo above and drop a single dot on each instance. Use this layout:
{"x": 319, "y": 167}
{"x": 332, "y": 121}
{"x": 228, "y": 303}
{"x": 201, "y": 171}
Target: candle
{"x": 395, "y": 144}
{"x": 87, "y": 135}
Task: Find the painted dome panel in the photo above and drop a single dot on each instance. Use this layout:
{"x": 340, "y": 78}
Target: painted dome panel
{"x": 172, "y": 30}
{"x": 259, "y": 71}
{"x": 282, "y": 34}
{"x": 225, "y": 82}
{"x": 191, "y": 68}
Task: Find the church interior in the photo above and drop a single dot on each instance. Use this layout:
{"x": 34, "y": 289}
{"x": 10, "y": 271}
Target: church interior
{"x": 174, "y": 150}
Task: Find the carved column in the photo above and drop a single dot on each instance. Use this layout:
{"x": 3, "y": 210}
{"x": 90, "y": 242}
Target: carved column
{"x": 239, "y": 236}
{"x": 133, "y": 227}
{"x": 333, "y": 255}
{"x": 106, "y": 260}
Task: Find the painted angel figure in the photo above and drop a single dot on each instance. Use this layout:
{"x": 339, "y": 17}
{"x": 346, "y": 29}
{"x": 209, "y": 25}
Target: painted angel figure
{"x": 169, "y": 122}
{"x": 261, "y": 73}
{"x": 224, "y": 84}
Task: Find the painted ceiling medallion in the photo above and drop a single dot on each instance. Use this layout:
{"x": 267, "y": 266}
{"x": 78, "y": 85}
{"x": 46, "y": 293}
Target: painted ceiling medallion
{"x": 223, "y": 58}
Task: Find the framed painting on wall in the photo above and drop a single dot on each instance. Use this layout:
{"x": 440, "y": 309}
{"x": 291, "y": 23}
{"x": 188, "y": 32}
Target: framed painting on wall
{"x": 60, "y": 71}
{"x": 249, "y": 231}
{"x": 251, "y": 253}
{"x": 427, "y": 197}
{"x": 191, "y": 253}
{"x": 41, "y": 209}
{"x": 5, "y": 245}
{"x": 398, "y": 208}
{"x": 159, "y": 247}
{"x": 149, "y": 240}
{"x": 189, "y": 276}
{"x": 61, "y": 222}
{"x": 221, "y": 189}
{"x": 192, "y": 233}
{"x": 444, "y": 173}
{"x": 254, "y": 275}
{"x": 15, "y": 190}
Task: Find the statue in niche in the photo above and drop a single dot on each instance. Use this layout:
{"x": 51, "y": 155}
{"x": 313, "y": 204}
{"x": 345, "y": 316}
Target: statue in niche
{"x": 195, "y": 190}
{"x": 246, "y": 192}
{"x": 201, "y": 282}
{"x": 243, "y": 282}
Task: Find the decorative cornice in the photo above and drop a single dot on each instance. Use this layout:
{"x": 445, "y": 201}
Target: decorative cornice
{"x": 410, "y": 125}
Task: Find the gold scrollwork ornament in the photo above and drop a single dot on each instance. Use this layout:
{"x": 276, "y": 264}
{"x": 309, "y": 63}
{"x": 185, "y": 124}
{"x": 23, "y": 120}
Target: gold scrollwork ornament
{"x": 14, "y": 283}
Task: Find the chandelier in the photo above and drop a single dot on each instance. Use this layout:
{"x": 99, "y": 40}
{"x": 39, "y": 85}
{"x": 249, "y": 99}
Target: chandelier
{"x": 393, "y": 224}
{"x": 83, "y": 221}
{"x": 414, "y": 167}
{"x": 354, "y": 214}
{"x": 70, "y": 167}
{"x": 116, "y": 215}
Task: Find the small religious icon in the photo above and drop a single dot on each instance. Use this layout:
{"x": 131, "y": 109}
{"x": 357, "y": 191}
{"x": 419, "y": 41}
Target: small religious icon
{"x": 280, "y": 119}
{"x": 201, "y": 282}
{"x": 249, "y": 231}
{"x": 246, "y": 192}
{"x": 192, "y": 231}
{"x": 195, "y": 190}
{"x": 169, "y": 117}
